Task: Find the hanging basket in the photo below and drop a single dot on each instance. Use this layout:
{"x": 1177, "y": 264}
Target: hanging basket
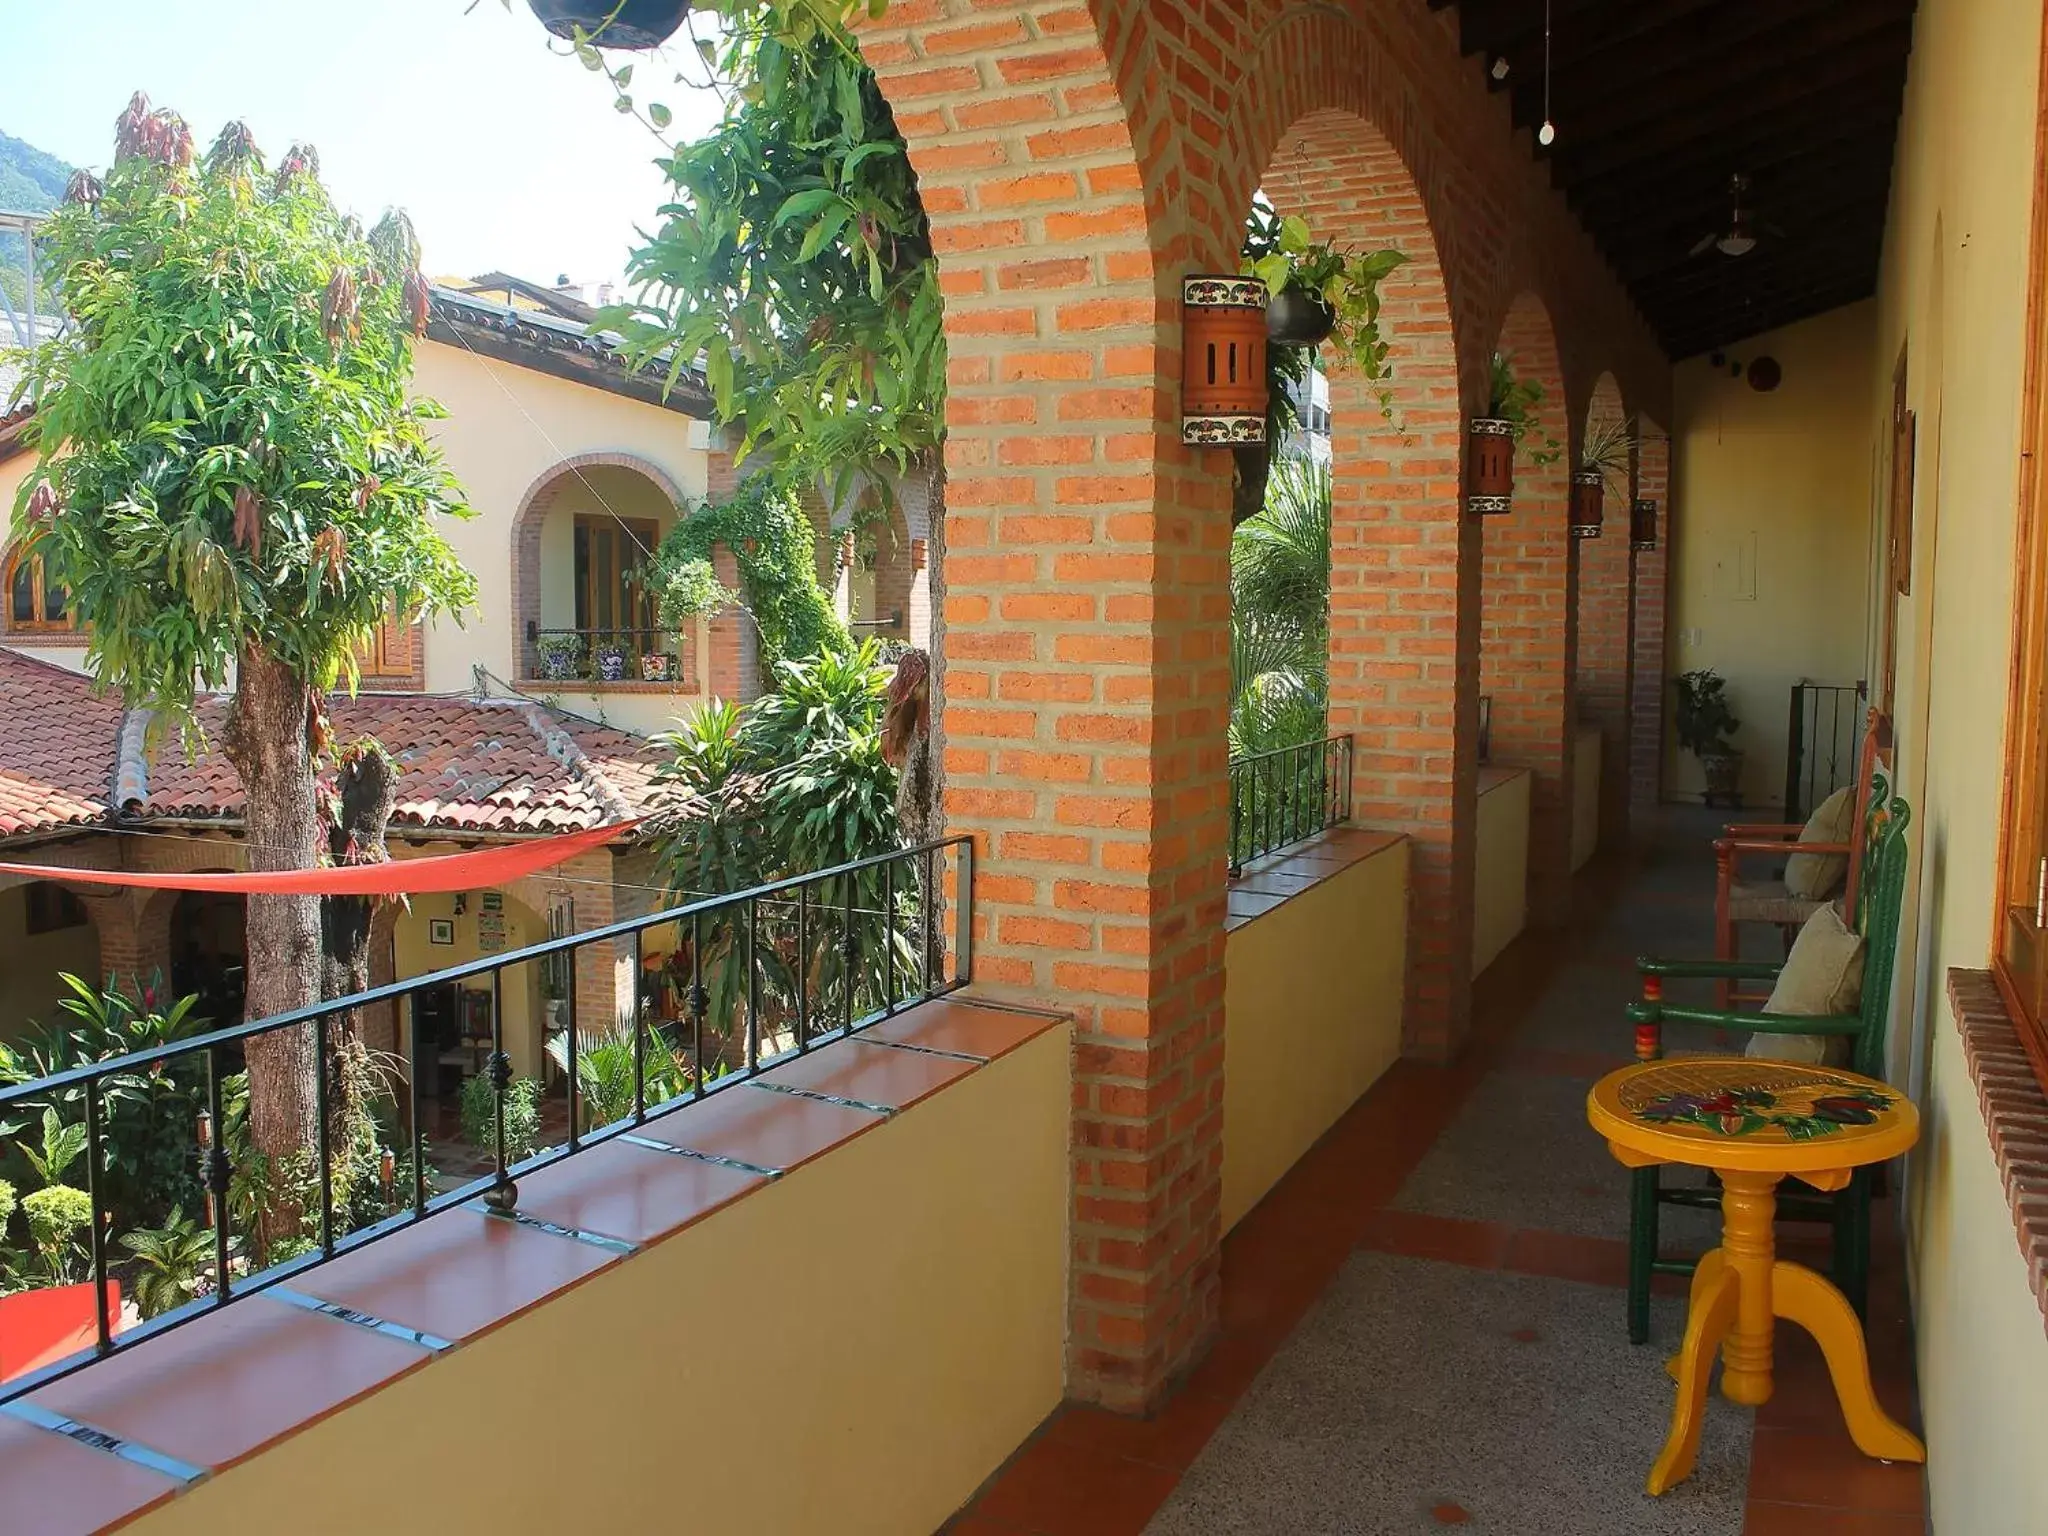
{"x": 638, "y": 24}
{"x": 1490, "y": 466}
{"x": 1223, "y": 360}
{"x": 1588, "y": 499}
{"x": 1299, "y": 317}
{"x": 1642, "y": 525}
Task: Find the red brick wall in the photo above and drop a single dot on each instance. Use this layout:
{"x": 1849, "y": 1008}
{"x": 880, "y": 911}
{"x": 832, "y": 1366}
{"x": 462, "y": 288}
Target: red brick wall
{"x": 1646, "y": 683}
{"x": 1603, "y": 653}
{"x": 1528, "y": 629}
{"x": 1076, "y": 160}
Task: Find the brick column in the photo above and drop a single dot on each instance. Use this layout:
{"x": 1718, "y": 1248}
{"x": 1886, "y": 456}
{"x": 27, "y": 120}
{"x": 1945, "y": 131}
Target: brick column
{"x": 732, "y": 665}
{"x": 1647, "y": 626}
{"x": 1528, "y": 622}
{"x": 1603, "y": 634}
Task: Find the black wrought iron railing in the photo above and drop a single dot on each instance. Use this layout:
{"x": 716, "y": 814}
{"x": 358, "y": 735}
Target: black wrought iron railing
{"x": 1287, "y": 795}
{"x": 1822, "y": 738}
{"x": 762, "y": 977}
{"x": 603, "y": 655}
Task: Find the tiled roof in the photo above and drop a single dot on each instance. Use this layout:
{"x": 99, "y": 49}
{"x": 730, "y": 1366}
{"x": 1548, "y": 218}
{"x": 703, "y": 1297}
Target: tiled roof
{"x": 56, "y": 747}
{"x": 466, "y": 765}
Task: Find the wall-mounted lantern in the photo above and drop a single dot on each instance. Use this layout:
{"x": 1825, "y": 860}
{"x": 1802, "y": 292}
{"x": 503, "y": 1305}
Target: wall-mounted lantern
{"x": 1223, "y": 360}
{"x": 1642, "y": 524}
{"x": 1490, "y": 466}
{"x": 1588, "y": 503}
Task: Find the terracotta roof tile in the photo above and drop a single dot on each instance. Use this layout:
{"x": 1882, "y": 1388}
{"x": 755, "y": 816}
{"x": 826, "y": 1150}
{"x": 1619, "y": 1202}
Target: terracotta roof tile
{"x": 56, "y": 747}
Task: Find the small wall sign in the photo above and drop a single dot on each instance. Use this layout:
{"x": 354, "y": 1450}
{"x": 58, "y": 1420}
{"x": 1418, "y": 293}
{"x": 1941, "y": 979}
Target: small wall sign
{"x": 440, "y": 930}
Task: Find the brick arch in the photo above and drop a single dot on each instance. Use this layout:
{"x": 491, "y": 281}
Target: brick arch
{"x": 1398, "y": 647}
{"x": 1083, "y": 666}
{"x": 1648, "y": 596}
{"x": 1529, "y": 621}
{"x": 1605, "y": 616}
{"x": 534, "y": 505}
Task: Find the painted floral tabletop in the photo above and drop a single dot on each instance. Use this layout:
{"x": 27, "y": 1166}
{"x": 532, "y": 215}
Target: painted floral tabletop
{"x": 1740, "y": 1112}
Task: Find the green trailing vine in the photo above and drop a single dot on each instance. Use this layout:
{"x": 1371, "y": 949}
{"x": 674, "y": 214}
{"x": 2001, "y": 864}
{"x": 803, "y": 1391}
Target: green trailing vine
{"x": 1516, "y": 401}
{"x": 773, "y": 544}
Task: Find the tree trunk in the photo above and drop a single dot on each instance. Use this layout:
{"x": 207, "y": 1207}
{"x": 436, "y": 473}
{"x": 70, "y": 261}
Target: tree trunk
{"x": 368, "y": 789}
{"x": 266, "y": 740}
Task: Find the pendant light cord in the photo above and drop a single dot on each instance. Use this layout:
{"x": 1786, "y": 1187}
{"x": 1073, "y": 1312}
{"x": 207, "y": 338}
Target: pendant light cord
{"x": 1548, "y": 131}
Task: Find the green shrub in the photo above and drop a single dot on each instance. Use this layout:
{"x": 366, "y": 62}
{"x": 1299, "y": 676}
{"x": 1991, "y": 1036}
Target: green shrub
{"x": 522, "y": 1116}
{"x": 55, "y": 1218}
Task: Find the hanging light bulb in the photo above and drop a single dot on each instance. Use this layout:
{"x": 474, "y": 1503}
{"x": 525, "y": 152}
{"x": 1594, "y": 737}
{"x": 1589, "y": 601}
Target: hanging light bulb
{"x": 1547, "y": 134}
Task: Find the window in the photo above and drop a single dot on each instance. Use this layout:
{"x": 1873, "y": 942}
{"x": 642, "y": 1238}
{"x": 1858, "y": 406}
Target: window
{"x": 2020, "y": 943}
{"x": 51, "y": 909}
{"x": 609, "y": 596}
{"x": 33, "y": 604}
{"x": 392, "y": 655}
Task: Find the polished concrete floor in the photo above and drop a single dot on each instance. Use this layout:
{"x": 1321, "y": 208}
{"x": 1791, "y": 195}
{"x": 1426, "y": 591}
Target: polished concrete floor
{"x": 1423, "y": 1324}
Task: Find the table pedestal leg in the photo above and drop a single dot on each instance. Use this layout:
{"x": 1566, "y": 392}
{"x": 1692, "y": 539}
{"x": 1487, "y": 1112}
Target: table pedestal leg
{"x": 1712, "y": 1265}
{"x": 1803, "y": 1297}
{"x": 1706, "y": 1324}
{"x": 1749, "y": 1203}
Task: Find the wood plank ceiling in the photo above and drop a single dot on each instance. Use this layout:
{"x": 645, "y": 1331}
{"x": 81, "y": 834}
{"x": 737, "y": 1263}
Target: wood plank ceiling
{"x": 1658, "y": 103}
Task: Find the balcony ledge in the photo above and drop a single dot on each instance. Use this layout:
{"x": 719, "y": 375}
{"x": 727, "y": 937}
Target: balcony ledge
{"x": 557, "y": 685}
{"x": 1273, "y": 879}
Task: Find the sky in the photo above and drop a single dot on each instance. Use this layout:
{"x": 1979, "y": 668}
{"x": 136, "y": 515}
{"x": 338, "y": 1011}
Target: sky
{"x": 508, "y": 156}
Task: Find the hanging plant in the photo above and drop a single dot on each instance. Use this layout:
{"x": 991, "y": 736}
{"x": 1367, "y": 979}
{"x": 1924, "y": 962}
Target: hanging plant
{"x": 612, "y": 23}
{"x": 1510, "y": 415}
{"x": 1604, "y": 456}
{"x": 1318, "y": 287}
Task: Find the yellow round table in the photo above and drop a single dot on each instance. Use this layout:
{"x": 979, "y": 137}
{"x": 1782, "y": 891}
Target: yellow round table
{"x": 1753, "y": 1122}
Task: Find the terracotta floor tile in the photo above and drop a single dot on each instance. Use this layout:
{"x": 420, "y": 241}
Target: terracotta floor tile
{"x": 946, "y": 1025}
{"x": 1480, "y": 1244}
{"x": 1762, "y": 1519}
{"x": 1789, "y": 1466}
{"x": 52, "y": 1486}
{"x": 870, "y": 1074}
{"x": 457, "y": 1274}
{"x": 215, "y": 1390}
{"x": 1172, "y": 1438}
{"x": 761, "y": 1127}
{"x": 631, "y": 1193}
{"x": 1063, "y": 1489}
{"x": 974, "y": 1523}
{"x": 1564, "y": 1256}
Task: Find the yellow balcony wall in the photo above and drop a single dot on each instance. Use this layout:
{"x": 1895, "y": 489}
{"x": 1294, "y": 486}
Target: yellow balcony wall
{"x": 1501, "y": 878}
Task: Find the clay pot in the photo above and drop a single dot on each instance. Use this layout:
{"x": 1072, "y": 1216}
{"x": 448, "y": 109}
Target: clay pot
{"x": 1588, "y": 498}
{"x": 1490, "y": 465}
{"x": 1724, "y": 777}
{"x": 1299, "y": 317}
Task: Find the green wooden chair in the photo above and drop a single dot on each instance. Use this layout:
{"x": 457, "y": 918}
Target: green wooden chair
{"x": 1878, "y": 900}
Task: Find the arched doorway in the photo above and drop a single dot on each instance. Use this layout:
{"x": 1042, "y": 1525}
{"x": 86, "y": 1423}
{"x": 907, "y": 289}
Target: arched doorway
{"x": 209, "y": 953}
{"x": 1602, "y": 670}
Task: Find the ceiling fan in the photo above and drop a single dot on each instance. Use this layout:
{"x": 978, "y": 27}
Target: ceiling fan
{"x": 1739, "y": 236}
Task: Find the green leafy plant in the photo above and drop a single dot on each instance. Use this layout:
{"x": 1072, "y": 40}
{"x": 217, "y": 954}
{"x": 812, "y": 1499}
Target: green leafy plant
{"x": 560, "y": 655}
{"x": 604, "y": 1075}
{"x": 1608, "y": 448}
{"x": 1284, "y": 254}
{"x": 774, "y": 545}
{"x": 55, "y": 1217}
{"x": 1703, "y": 720}
{"x": 236, "y": 485}
{"x": 1516, "y": 401}
{"x": 522, "y": 1116}
{"x": 173, "y": 1263}
{"x": 63, "y": 1144}
{"x": 1279, "y": 615}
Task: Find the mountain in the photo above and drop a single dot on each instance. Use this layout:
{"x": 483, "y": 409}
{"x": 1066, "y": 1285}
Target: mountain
{"x": 30, "y": 181}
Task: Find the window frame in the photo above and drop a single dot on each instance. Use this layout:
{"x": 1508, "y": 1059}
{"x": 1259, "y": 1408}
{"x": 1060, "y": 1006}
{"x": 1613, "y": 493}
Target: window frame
{"x": 374, "y": 663}
{"x": 40, "y": 624}
{"x": 645, "y": 533}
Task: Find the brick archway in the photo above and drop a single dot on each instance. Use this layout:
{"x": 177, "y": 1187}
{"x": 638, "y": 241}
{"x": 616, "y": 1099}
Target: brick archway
{"x": 1529, "y": 619}
{"x": 1604, "y": 624}
{"x": 534, "y": 507}
{"x": 1649, "y": 596}
{"x": 1403, "y": 557}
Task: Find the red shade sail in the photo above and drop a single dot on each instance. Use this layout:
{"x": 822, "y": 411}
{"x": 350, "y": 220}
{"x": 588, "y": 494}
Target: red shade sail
{"x": 476, "y": 870}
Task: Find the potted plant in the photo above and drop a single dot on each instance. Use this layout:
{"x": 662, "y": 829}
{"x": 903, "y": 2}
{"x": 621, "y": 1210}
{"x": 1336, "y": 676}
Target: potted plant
{"x": 1604, "y": 455}
{"x": 612, "y": 23}
{"x": 559, "y": 655}
{"x": 1704, "y": 723}
{"x": 611, "y": 655}
{"x": 1511, "y": 405}
{"x": 657, "y": 667}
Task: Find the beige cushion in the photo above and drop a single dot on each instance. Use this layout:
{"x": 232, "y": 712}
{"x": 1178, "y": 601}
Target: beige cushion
{"x": 1767, "y": 902}
{"x": 1815, "y": 875}
{"x": 1822, "y": 975}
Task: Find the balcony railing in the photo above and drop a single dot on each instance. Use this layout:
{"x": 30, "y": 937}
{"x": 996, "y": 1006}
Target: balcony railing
{"x": 603, "y": 655}
{"x": 1823, "y": 737}
{"x": 765, "y": 975}
{"x": 1287, "y": 795}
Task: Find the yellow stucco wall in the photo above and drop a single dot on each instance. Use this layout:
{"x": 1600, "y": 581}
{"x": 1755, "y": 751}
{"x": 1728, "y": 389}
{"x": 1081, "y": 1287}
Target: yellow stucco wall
{"x": 1585, "y": 796}
{"x": 847, "y": 1352}
{"x": 519, "y": 988}
{"x": 1954, "y": 285}
{"x": 1771, "y": 533}
{"x": 1312, "y": 1000}
{"x": 29, "y": 992}
{"x": 1500, "y": 880}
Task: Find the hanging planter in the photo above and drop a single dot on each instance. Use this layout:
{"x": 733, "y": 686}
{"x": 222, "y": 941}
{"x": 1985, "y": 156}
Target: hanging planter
{"x": 636, "y": 24}
{"x": 1588, "y": 498}
{"x": 1642, "y": 525}
{"x": 1299, "y": 317}
{"x": 1223, "y": 360}
{"x": 1490, "y": 465}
